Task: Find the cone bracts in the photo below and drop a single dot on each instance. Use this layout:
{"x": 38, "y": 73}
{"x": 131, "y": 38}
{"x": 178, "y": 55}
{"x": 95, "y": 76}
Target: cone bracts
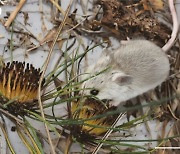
{"x": 88, "y": 109}
{"x": 19, "y": 83}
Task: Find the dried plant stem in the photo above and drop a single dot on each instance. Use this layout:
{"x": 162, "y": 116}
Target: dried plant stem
{"x": 14, "y": 13}
{"x": 11, "y": 116}
{"x": 24, "y": 140}
{"x": 41, "y": 44}
{"x": 68, "y": 144}
{"x": 7, "y": 139}
{"x": 43, "y": 73}
{"x": 173, "y": 115}
{"x": 35, "y": 146}
{"x": 107, "y": 133}
{"x": 58, "y": 7}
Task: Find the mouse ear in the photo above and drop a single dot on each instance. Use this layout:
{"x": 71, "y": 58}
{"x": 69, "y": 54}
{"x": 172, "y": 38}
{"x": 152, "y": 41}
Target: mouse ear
{"x": 121, "y": 78}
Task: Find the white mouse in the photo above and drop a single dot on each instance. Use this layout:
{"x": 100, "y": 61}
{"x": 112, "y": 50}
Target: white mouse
{"x": 135, "y": 68}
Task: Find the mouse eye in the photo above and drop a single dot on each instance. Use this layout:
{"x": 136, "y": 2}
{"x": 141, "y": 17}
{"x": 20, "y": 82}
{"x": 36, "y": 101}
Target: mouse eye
{"x": 94, "y": 92}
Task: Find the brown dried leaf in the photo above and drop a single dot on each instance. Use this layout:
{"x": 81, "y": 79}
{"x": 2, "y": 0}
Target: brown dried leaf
{"x": 50, "y": 35}
{"x": 60, "y": 43}
{"x": 26, "y": 17}
{"x": 58, "y": 83}
{"x": 157, "y": 4}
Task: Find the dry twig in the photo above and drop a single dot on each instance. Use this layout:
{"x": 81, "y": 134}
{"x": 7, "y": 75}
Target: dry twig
{"x": 108, "y": 133}
{"x": 43, "y": 73}
{"x": 58, "y": 7}
{"x": 14, "y": 13}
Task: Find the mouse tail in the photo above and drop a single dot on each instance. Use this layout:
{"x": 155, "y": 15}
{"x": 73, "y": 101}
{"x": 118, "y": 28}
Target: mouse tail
{"x": 175, "y": 28}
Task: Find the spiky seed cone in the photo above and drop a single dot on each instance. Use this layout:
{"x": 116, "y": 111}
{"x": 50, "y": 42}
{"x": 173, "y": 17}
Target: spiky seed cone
{"x": 90, "y": 108}
{"x": 19, "y": 82}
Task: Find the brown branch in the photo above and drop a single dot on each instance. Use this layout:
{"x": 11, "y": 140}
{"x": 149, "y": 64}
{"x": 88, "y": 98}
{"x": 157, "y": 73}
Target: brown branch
{"x": 14, "y": 13}
{"x": 95, "y": 151}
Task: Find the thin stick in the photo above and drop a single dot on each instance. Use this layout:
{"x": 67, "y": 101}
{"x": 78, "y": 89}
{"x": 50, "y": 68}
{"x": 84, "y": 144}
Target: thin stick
{"x": 58, "y": 7}
{"x": 14, "y": 13}
{"x": 107, "y": 133}
{"x": 43, "y": 73}
{"x": 174, "y": 116}
{"x": 12, "y": 116}
{"x": 175, "y": 28}
{"x": 68, "y": 144}
{"x": 7, "y": 139}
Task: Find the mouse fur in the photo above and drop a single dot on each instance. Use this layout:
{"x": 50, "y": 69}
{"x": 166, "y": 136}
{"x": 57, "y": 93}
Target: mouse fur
{"x": 134, "y": 68}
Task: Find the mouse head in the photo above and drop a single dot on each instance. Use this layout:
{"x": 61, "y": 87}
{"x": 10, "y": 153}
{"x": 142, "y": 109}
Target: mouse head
{"x": 111, "y": 86}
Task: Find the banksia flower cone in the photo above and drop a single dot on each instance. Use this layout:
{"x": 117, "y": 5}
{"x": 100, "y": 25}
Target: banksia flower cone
{"x": 19, "y": 82}
{"x": 89, "y": 109}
